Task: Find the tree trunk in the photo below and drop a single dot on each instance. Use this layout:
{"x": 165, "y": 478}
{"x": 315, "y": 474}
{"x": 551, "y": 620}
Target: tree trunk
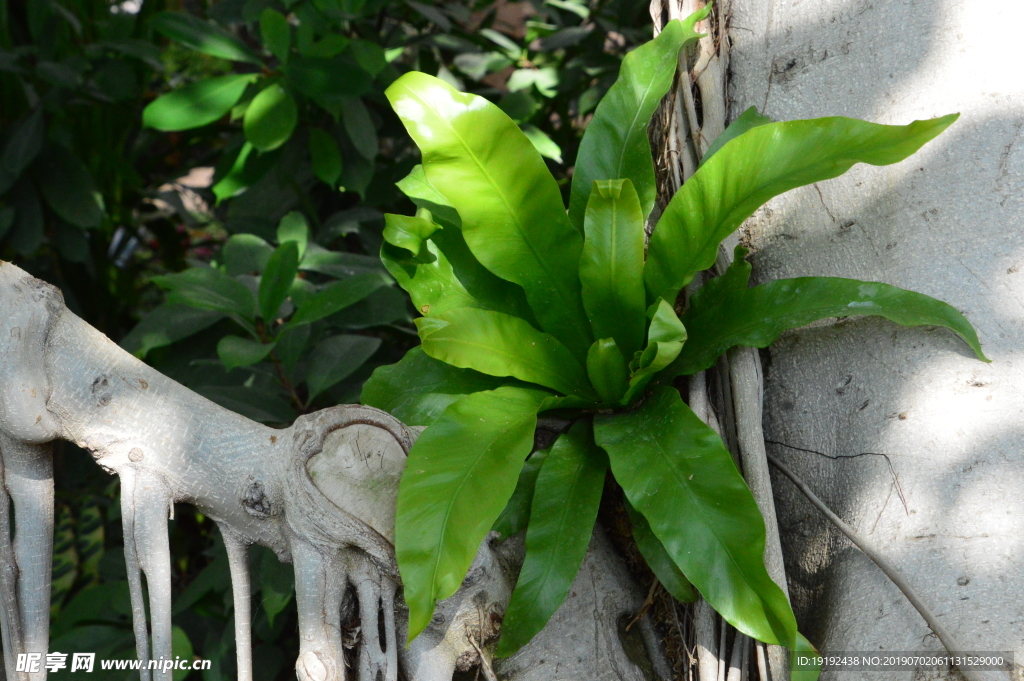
{"x": 945, "y": 502}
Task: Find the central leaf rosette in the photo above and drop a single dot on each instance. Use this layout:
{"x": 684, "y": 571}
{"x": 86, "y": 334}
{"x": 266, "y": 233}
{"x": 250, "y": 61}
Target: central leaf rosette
{"x": 529, "y": 308}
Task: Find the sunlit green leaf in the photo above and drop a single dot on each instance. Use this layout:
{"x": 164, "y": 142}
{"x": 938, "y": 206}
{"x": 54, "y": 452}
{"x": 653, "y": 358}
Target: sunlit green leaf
{"x": 803, "y": 660}
{"x": 209, "y": 289}
{"x": 562, "y": 516}
{"x": 510, "y": 206}
{"x": 197, "y": 103}
{"x": 270, "y": 118}
{"x": 748, "y": 120}
{"x": 759, "y": 164}
{"x": 677, "y": 472}
{"x": 725, "y": 313}
{"x": 460, "y": 474}
{"x": 408, "y": 232}
{"x": 199, "y": 35}
{"x": 615, "y": 144}
{"x": 294, "y": 228}
{"x": 502, "y": 345}
{"x": 542, "y": 143}
{"x": 611, "y": 266}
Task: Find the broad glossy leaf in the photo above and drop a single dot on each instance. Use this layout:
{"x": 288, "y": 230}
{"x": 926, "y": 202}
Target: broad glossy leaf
{"x": 460, "y": 474}
{"x": 502, "y": 345}
{"x": 293, "y": 227}
{"x": 335, "y": 358}
{"x": 209, "y": 289}
{"x": 516, "y": 514}
{"x": 725, "y": 313}
{"x": 276, "y": 33}
{"x": 615, "y": 144}
{"x": 748, "y": 120}
{"x": 23, "y": 145}
{"x": 199, "y": 35}
{"x": 612, "y": 264}
{"x": 324, "y": 156}
{"x": 512, "y": 214}
{"x": 197, "y": 103}
{"x": 544, "y": 145}
{"x": 67, "y": 186}
{"x": 759, "y": 164}
{"x": 419, "y": 388}
{"x": 606, "y": 368}
{"x": 661, "y": 564}
{"x": 425, "y": 195}
{"x": 277, "y": 279}
{"x": 665, "y": 338}
{"x": 806, "y": 650}
{"x": 277, "y": 585}
{"x": 167, "y": 324}
{"x": 675, "y": 471}
{"x": 271, "y": 118}
{"x": 235, "y": 351}
{"x": 408, "y": 232}
{"x": 247, "y": 168}
{"x": 562, "y": 516}
{"x": 337, "y": 297}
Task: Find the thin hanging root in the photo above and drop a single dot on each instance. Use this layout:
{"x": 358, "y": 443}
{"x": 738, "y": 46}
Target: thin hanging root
{"x": 238, "y": 563}
{"x": 376, "y": 597}
{"x": 134, "y": 569}
{"x": 10, "y": 613}
{"x": 153, "y": 547}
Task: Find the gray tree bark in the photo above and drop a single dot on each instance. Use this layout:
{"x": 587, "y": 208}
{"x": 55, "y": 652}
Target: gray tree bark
{"x": 946, "y": 222}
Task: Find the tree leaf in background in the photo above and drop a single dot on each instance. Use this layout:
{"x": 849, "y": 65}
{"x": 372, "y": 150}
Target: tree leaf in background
{"x": 277, "y": 280}
{"x": 248, "y": 168}
{"x": 675, "y": 471}
{"x": 612, "y": 264}
{"x": 512, "y": 214}
{"x": 516, "y": 514}
{"x": 748, "y": 120}
{"x": 336, "y": 297}
{"x": 725, "y": 313}
{"x": 661, "y": 564}
{"x": 419, "y": 388}
{"x": 209, "y": 289}
{"x": 277, "y": 584}
{"x": 167, "y": 324}
{"x": 196, "y": 104}
{"x": 246, "y": 254}
{"x": 335, "y": 358}
{"x": 199, "y": 35}
{"x": 459, "y": 475}
{"x": 181, "y": 648}
{"x": 23, "y": 144}
{"x": 542, "y": 143}
{"x": 502, "y": 345}
{"x": 64, "y": 563}
{"x": 562, "y": 516}
{"x": 271, "y": 118}
{"x": 324, "y": 156}
{"x": 276, "y": 33}
{"x": 67, "y": 186}
{"x": 606, "y": 368}
{"x": 328, "y": 81}
{"x": 359, "y": 127}
{"x": 615, "y": 144}
{"x": 294, "y": 228}
{"x": 369, "y": 55}
{"x": 6, "y": 219}
{"x": 26, "y": 234}
{"x": 748, "y": 171}
{"x": 235, "y": 351}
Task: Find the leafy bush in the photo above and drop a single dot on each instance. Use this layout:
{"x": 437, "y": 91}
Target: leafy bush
{"x": 529, "y": 308}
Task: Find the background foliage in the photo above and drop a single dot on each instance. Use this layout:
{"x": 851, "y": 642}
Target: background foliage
{"x": 115, "y": 203}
